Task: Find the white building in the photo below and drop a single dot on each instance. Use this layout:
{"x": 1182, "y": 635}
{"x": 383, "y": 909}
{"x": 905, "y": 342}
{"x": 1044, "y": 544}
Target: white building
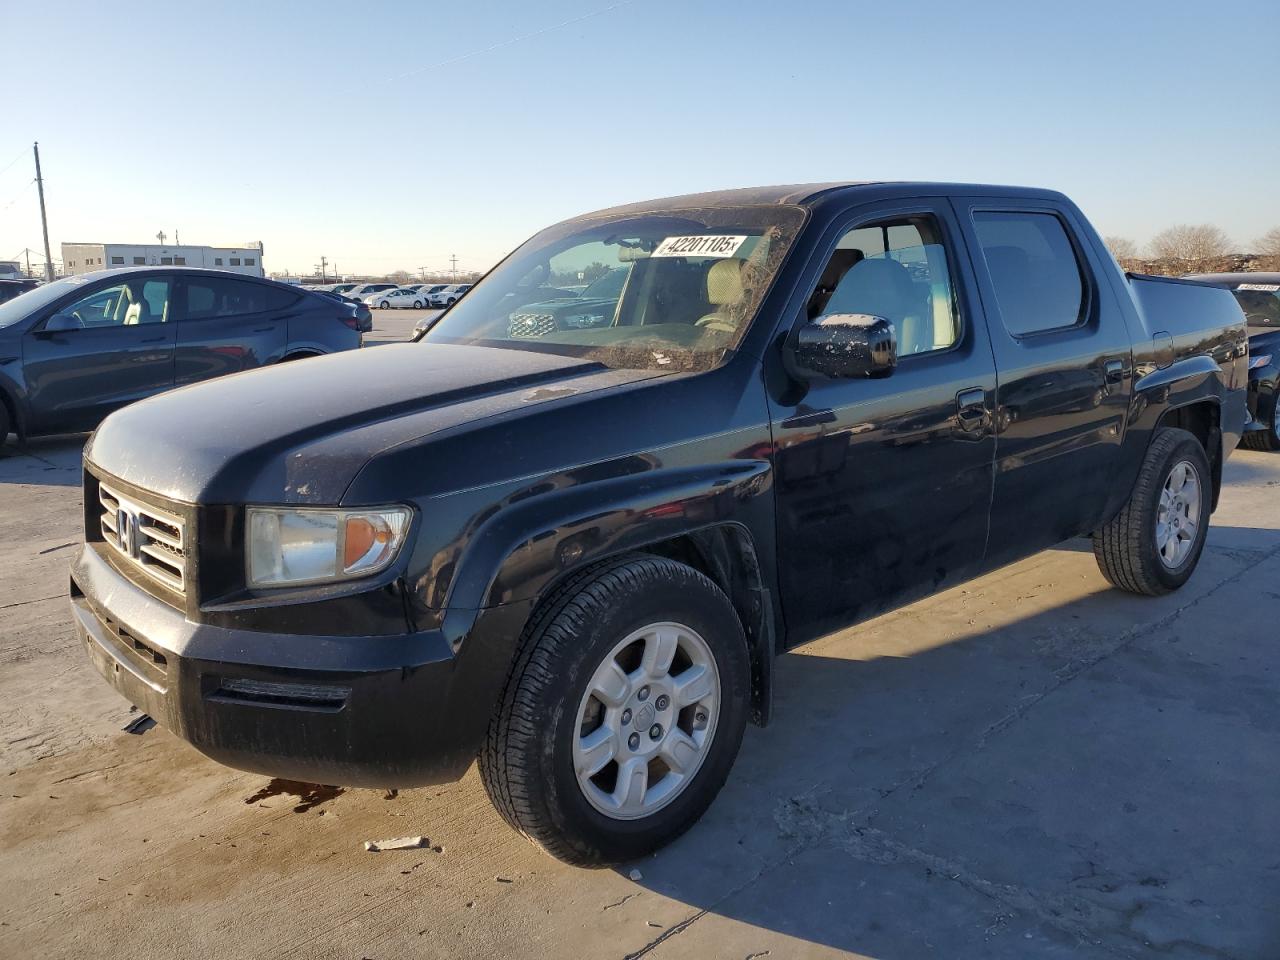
{"x": 88, "y": 257}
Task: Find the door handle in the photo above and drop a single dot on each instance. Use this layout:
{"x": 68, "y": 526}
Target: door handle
{"x": 152, "y": 340}
{"x": 264, "y": 329}
{"x": 971, "y": 409}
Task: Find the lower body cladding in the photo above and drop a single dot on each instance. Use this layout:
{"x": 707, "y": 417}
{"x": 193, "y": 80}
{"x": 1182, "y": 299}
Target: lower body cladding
{"x": 390, "y": 711}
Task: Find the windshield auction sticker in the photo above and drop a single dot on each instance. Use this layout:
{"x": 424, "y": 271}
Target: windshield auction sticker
{"x": 699, "y": 246}
{"x": 1265, "y": 287}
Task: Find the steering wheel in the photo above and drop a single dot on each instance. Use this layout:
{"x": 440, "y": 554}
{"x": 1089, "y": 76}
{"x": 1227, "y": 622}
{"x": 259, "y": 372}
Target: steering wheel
{"x": 715, "y": 321}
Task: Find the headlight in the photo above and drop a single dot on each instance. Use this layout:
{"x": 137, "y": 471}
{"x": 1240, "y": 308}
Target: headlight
{"x": 321, "y": 546}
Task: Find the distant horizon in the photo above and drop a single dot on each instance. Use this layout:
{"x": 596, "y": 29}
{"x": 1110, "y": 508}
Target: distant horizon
{"x": 392, "y": 153}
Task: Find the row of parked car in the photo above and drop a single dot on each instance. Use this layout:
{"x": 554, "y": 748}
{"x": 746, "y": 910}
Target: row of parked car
{"x": 386, "y": 296}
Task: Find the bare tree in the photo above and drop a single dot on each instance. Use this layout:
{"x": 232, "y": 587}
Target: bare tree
{"x": 1122, "y": 248}
{"x": 1269, "y": 242}
{"x": 1190, "y": 242}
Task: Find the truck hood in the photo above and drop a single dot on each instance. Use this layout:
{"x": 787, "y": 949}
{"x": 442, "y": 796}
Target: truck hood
{"x": 300, "y": 432}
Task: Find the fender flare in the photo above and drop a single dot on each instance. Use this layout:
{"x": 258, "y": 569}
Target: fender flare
{"x": 522, "y": 552}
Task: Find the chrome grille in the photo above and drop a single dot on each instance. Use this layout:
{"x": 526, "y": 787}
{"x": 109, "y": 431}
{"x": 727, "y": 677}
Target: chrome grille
{"x": 153, "y": 540}
{"x": 531, "y": 324}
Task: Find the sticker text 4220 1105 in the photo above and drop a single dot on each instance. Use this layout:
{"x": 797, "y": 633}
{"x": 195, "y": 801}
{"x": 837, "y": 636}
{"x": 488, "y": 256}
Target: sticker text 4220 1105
{"x": 700, "y": 246}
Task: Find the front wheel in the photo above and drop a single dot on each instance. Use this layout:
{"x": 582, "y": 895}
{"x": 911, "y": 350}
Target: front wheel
{"x": 1153, "y": 544}
{"x": 623, "y": 712}
{"x": 385, "y": 305}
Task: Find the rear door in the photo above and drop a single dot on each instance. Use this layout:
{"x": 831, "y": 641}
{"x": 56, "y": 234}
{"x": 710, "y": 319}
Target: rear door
{"x": 883, "y": 486}
{"x": 121, "y": 349}
{"x": 227, "y": 324}
{"x": 1065, "y": 367}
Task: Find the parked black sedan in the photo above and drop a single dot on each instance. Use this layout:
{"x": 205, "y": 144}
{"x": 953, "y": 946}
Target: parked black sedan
{"x": 1259, "y": 297}
{"x": 76, "y": 349}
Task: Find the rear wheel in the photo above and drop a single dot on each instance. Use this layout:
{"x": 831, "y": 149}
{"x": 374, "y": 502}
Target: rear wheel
{"x": 1268, "y": 439}
{"x": 417, "y": 304}
{"x": 623, "y": 713}
{"x": 1152, "y": 546}
{"x": 385, "y": 305}
{"x": 5, "y": 426}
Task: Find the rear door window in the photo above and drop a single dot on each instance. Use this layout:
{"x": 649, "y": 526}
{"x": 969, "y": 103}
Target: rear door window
{"x": 210, "y": 297}
{"x": 1037, "y": 278}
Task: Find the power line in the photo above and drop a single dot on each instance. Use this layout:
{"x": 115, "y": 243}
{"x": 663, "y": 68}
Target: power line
{"x": 5, "y": 169}
{"x": 18, "y": 196}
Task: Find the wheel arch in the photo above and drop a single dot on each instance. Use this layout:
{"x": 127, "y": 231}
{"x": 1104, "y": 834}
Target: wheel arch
{"x": 301, "y": 353}
{"x": 1203, "y": 420}
{"x": 711, "y": 518}
{"x": 725, "y": 553}
{"x": 10, "y": 402}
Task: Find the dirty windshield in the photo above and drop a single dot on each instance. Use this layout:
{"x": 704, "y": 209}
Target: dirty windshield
{"x": 669, "y": 291}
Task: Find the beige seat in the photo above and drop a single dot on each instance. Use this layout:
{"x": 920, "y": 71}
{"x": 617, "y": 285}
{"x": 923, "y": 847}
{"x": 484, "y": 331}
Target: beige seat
{"x": 138, "y": 311}
{"x": 725, "y": 290}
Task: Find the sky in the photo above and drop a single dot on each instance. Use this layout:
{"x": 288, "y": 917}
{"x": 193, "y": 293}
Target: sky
{"x": 392, "y": 135}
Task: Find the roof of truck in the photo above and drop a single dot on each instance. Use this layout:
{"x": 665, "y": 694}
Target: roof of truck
{"x": 815, "y": 194}
{"x": 1231, "y": 279}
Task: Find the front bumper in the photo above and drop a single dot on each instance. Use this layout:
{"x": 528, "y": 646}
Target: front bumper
{"x": 377, "y": 711}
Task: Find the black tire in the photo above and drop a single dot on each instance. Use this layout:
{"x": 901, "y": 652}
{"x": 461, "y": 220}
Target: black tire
{"x": 526, "y": 763}
{"x": 5, "y": 426}
{"x": 385, "y": 305}
{"x": 1268, "y": 439}
{"x": 417, "y": 304}
{"x": 1125, "y": 547}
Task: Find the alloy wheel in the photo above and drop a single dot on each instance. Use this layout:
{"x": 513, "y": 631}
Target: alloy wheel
{"x": 646, "y": 721}
{"x": 1178, "y": 515}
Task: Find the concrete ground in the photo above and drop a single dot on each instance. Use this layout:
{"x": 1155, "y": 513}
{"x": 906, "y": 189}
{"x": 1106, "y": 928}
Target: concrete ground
{"x": 392, "y": 325}
{"x": 1030, "y": 766}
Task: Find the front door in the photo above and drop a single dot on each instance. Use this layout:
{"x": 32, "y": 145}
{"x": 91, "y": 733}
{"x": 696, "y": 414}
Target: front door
{"x": 226, "y": 325}
{"x": 884, "y": 485}
{"x": 109, "y": 347}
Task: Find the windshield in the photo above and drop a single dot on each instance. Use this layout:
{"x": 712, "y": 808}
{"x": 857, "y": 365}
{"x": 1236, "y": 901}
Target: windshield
{"x": 1259, "y": 301}
{"x": 669, "y": 291}
{"x": 25, "y": 304}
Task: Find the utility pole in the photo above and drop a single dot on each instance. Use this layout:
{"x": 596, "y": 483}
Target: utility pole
{"x": 423, "y": 272}
{"x": 176, "y": 241}
{"x": 160, "y": 237}
{"x": 453, "y": 261}
{"x": 27, "y": 251}
{"x": 44, "y": 219}
{"x": 323, "y": 263}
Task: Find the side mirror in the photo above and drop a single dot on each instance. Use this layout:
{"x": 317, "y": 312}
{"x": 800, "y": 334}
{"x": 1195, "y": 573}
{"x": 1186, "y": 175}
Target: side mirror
{"x": 841, "y": 346}
{"x": 60, "y": 322}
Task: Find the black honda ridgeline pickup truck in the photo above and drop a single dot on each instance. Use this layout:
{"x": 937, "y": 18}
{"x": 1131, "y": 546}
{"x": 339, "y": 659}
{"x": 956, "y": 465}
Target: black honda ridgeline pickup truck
{"x": 573, "y": 548}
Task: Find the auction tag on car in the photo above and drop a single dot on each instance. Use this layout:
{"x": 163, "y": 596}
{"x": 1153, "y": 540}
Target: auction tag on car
{"x": 1266, "y": 287}
{"x": 699, "y": 246}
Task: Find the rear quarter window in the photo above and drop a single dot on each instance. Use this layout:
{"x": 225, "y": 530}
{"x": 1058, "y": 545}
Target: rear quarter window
{"x": 1034, "y": 270}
